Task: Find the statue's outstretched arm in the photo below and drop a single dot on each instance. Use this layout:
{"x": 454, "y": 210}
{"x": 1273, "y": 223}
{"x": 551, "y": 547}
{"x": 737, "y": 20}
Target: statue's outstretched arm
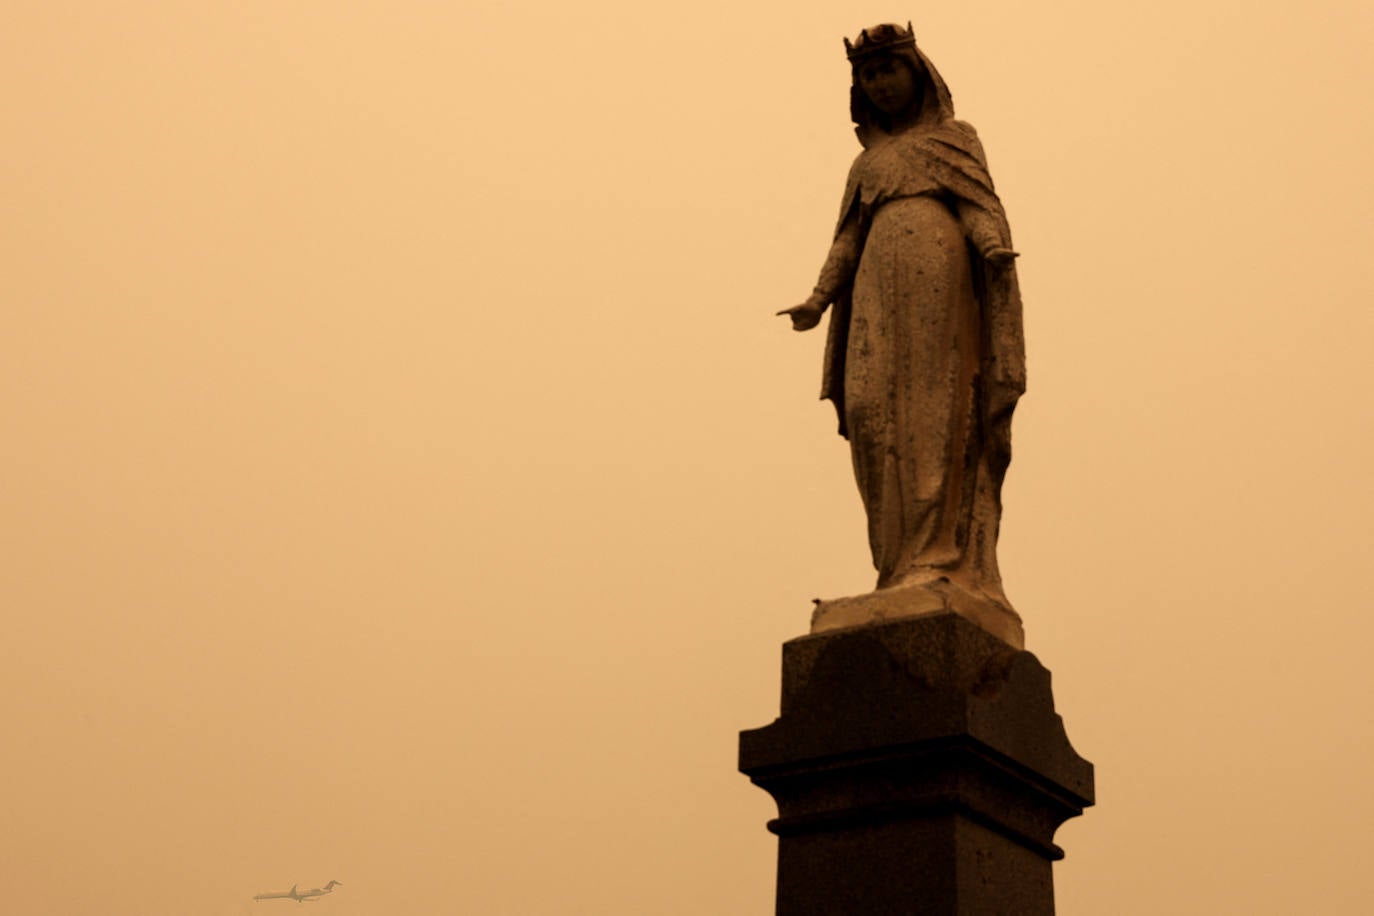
{"x": 836, "y": 274}
{"x": 984, "y": 231}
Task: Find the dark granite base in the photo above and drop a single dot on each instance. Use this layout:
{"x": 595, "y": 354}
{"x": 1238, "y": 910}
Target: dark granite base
{"x": 919, "y": 768}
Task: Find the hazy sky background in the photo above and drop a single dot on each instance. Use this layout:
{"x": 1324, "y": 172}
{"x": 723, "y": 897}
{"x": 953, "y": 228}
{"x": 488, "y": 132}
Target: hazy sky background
{"x": 405, "y": 480}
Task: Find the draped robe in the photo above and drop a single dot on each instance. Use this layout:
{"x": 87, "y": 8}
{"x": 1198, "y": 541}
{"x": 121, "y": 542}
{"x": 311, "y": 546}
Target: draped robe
{"x": 925, "y": 357}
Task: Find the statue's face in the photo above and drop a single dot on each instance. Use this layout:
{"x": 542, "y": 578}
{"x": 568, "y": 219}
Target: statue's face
{"x": 889, "y": 84}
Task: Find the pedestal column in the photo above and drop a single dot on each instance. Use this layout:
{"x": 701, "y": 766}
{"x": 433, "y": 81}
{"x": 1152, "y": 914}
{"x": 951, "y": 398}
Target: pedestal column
{"x": 919, "y": 768}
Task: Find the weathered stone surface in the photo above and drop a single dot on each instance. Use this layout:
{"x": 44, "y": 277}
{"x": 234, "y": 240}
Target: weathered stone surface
{"x": 925, "y": 356}
{"x": 919, "y": 767}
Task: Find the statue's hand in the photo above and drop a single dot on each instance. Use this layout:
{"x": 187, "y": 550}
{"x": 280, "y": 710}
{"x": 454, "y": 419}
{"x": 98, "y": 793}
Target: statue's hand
{"x": 805, "y": 316}
{"x": 1000, "y": 257}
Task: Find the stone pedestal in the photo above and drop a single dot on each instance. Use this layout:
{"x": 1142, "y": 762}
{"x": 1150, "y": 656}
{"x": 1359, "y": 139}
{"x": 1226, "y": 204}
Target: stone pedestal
{"x": 919, "y": 768}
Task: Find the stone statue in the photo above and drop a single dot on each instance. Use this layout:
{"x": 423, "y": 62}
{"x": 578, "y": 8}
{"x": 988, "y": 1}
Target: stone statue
{"x": 925, "y": 358}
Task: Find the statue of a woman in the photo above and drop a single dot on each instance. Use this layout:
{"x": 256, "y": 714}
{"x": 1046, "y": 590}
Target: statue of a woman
{"x": 925, "y": 358}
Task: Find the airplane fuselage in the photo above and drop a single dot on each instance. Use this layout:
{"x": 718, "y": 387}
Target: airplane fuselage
{"x": 299, "y": 896}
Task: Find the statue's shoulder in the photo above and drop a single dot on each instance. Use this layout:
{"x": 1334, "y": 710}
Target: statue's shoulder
{"x": 957, "y": 133}
{"x": 962, "y": 127}
{"x": 961, "y": 136}
{"x": 863, "y": 162}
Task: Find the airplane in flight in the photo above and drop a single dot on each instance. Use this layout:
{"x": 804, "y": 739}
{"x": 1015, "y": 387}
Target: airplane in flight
{"x": 309, "y": 896}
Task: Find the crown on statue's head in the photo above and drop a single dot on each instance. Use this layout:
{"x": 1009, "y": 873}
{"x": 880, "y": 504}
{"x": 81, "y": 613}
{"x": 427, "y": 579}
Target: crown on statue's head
{"x": 879, "y": 40}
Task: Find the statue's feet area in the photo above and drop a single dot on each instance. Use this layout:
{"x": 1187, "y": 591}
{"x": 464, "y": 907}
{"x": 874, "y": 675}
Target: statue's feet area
{"x": 917, "y": 599}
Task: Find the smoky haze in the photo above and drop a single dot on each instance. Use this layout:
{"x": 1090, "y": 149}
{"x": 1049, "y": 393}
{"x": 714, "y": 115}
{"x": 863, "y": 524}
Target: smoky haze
{"x": 406, "y": 481}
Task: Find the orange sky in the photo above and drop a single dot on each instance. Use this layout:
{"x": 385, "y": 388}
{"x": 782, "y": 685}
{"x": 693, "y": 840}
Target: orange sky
{"x": 405, "y": 480}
